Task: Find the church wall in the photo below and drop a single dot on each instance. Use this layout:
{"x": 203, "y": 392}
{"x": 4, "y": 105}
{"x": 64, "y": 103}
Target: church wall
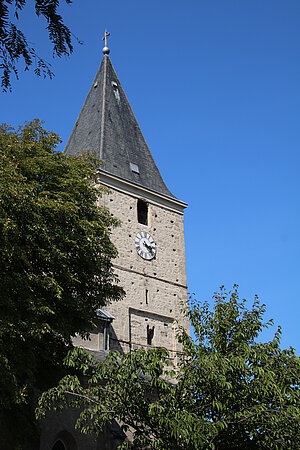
{"x": 155, "y": 290}
{"x": 166, "y": 228}
{"x": 95, "y": 340}
{"x": 60, "y": 426}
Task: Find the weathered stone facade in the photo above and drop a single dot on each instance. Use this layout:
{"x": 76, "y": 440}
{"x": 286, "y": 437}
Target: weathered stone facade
{"x": 156, "y": 289}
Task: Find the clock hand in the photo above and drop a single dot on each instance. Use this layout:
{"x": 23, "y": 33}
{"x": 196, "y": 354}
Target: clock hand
{"x": 148, "y": 247}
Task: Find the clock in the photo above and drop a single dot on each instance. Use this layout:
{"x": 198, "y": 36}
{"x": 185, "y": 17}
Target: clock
{"x": 145, "y": 245}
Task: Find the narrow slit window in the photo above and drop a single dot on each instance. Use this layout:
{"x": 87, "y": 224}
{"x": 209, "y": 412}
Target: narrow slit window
{"x": 150, "y": 334}
{"x": 142, "y": 212}
{"x": 147, "y": 296}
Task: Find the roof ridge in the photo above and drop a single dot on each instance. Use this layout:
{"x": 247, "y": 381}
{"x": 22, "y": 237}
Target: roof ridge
{"x": 69, "y": 141}
{"x": 142, "y": 134}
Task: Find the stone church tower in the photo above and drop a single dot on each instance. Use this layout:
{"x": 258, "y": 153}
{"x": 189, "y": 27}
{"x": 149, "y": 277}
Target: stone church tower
{"x": 150, "y": 240}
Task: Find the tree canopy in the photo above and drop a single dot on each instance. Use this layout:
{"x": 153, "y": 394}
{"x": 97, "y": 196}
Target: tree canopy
{"x": 14, "y": 45}
{"x": 226, "y": 391}
{"x": 55, "y": 259}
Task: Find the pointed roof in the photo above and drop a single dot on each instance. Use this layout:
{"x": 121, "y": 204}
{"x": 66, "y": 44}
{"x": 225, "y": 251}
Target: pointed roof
{"x": 107, "y": 126}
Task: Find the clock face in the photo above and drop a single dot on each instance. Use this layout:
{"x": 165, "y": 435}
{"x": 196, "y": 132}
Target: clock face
{"x": 145, "y": 245}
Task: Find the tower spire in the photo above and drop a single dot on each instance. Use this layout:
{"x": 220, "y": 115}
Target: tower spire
{"x": 105, "y": 49}
{"x": 107, "y": 127}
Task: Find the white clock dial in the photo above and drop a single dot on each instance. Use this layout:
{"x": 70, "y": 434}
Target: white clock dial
{"x": 145, "y": 245}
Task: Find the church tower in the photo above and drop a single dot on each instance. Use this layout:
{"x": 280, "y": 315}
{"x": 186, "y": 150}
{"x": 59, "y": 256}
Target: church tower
{"x": 150, "y": 240}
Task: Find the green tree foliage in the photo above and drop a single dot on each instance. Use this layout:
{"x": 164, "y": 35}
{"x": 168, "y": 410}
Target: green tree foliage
{"x": 227, "y": 391}
{"x": 55, "y": 259}
{"x": 14, "y": 45}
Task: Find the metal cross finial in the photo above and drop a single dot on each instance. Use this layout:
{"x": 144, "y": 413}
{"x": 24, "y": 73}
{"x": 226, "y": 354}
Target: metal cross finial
{"x": 105, "y": 49}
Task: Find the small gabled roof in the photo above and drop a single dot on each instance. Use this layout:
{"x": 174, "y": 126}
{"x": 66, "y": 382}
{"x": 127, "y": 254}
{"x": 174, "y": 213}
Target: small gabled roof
{"x": 107, "y": 127}
{"x": 104, "y": 315}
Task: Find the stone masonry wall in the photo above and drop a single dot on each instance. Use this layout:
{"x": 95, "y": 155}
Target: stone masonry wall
{"x": 156, "y": 289}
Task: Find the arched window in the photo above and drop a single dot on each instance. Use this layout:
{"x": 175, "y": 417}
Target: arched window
{"x": 142, "y": 212}
{"x": 59, "y": 445}
{"x": 64, "y": 441}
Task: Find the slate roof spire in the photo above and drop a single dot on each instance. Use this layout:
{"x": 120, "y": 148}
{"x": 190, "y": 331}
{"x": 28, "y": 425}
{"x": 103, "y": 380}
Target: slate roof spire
{"x": 107, "y": 126}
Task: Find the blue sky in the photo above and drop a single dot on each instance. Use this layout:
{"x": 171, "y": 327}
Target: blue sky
{"x": 215, "y": 86}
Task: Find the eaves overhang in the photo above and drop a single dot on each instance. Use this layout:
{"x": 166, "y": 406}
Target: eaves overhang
{"x": 138, "y": 191}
